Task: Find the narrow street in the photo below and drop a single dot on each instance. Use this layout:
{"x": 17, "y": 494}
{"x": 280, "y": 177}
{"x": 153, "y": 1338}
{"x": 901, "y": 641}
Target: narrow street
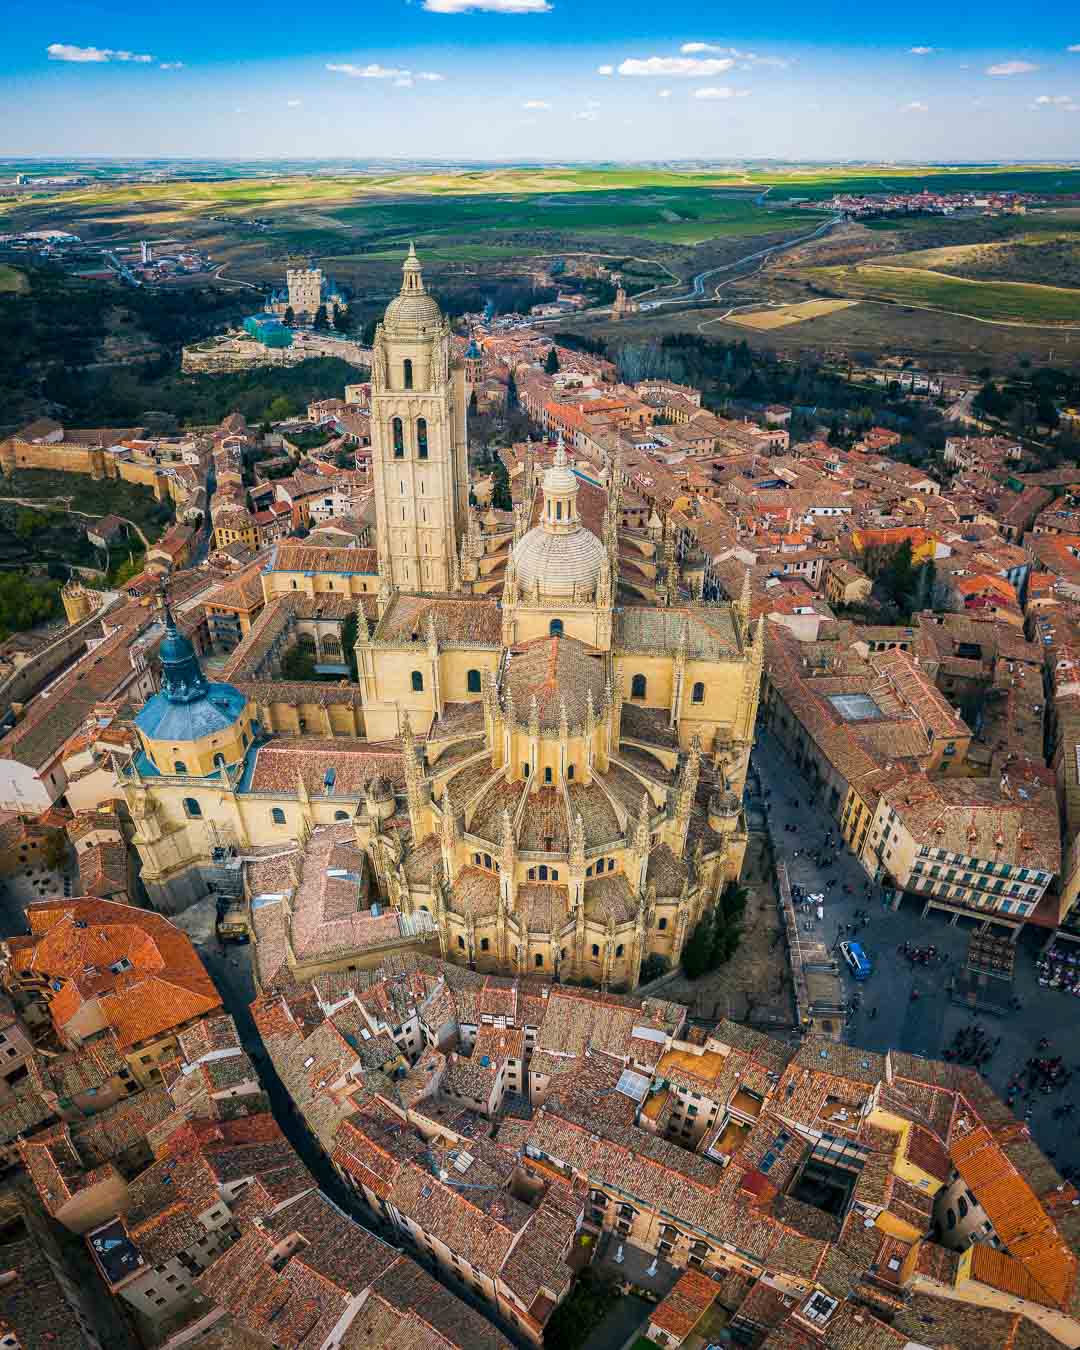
{"x": 925, "y": 1025}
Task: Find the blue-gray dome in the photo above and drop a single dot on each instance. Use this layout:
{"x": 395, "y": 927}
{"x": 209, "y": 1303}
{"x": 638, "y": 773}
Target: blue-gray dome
{"x": 188, "y": 707}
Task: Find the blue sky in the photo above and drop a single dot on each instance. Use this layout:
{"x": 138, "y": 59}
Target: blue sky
{"x": 574, "y": 79}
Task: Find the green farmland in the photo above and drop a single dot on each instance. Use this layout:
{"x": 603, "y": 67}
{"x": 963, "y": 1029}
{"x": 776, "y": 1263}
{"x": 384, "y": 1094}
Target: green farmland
{"x": 998, "y": 301}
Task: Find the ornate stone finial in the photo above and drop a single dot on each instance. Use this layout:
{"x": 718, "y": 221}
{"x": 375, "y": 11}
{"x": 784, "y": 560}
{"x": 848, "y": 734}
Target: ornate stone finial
{"x": 644, "y": 824}
{"x": 534, "y": 717}
{"x": 603, "y": 581}
{"x": 590, "y": 712}
{"x": 511, "y": 711}
{"x": 408, "y": 740}
{"x": 363, "y": 628}
{"x": 742, "y": 605}
{"x": 301, "y": 789}
{"x": 509, "y": 843}
{"x": 757, "y": 649}
{"x": 449, "y": 820}
{"x": 432, "y": 635}
{"x": 564, "y": 719}
{"x": 577, "y": 842}
{"x": 455, "y": 572}
{"x": 560, "y": 453}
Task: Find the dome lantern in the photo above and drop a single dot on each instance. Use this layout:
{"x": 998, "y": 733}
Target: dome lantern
{"x": 559, "y": 557}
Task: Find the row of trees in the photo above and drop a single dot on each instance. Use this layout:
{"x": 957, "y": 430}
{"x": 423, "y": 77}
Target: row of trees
{"x": 341, "y": 319}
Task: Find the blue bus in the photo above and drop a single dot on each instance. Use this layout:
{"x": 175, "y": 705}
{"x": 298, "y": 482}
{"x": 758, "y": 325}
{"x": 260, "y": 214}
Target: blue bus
{"x": 857, "y": 960}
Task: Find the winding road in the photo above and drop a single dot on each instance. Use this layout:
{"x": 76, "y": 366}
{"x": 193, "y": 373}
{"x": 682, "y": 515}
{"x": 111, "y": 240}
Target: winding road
{"x": 697, "y": 283}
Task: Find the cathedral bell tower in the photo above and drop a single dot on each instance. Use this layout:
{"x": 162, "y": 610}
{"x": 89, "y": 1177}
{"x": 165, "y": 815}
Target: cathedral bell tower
{"x": 419, "y": 448}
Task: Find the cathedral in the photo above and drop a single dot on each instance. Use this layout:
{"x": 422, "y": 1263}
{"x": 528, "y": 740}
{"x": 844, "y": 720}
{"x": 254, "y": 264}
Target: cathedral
{"x": 539, "y": 772}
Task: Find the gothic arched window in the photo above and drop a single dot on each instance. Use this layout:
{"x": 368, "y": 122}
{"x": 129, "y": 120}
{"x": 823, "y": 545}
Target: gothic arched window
{"x": 406, "y": 366}
{"x": 421, "y": 437}
{"x": 555, "y": 628}
{"x": 473, "y": 681}
{"x": 637, "y": 687}
{"x": 192, "y": 807}
{"x": 698, "y": 693}
{"x": 417, "y": 682}
{"x": 179, "y": 766}
{"x": 277, "y": 815}
{"x": 399, "y": 438}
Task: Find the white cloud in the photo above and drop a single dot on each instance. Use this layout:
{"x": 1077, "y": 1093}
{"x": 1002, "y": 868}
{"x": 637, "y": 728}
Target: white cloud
{"x": 665, "y": 93}
{"x": 1074, "y": 47}
{"x": 588, "y": 115}
{"x": 915, "y": 106}
{"x": 64, "y": 51}
{"x": 749, "y": 59}
{"x": 1011, "y": 68}
{"x": 605, "y": 70}
{"x": 487, "y": 6}
{"x": 1065, "y": 102}
{"x": 369, "y": 72}
{"x": 678, "y": 66}
{"x": 1054, "y": 98}
{"x": 402, "y": 79}
{"x": 922, "y": 51}
{"x": 536, "y": 105}
{"x": 171, "y": 65}
{"x": 295, "y": 103}
{"x": 721, "y": 91}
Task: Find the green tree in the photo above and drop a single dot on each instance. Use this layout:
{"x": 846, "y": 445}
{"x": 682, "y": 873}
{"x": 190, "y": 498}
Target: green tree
{"x": 343, "y": 319}
{"x": 26, "y": 602}
{"x": 551, "y": 365}
{"x": 130, "y": 567}
{"x": 348, "y": 643}
{"x": 654, "y": 965}
{"x": 28, "y": 523}
{"x": 280, "y": 409}
{"x": 298, "y": 663}
{"x": 320, "y": 320}
{"x": 289, "y": 317}
{"x": 501, "y": 498}
{"x": 697, "y": 954}
{"x": 55, "y": 852}
{"x": 727, "y": 923}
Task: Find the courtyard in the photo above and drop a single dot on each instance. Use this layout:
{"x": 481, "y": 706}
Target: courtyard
{"x": 889, "y": 1017}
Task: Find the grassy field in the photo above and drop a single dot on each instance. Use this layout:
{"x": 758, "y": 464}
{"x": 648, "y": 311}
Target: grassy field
{"x": 783, "y": 316}
{"x": 1003, "y": 301}
{"x": 12, "y": 280}
{"x": 1046, "y": 180}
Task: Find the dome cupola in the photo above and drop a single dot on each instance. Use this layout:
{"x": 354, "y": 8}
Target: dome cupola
{"x": 559, "y": 555}
{"x": 412, "y": 311}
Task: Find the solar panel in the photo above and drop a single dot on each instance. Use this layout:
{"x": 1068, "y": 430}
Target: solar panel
{"x": 633, "y": 1085}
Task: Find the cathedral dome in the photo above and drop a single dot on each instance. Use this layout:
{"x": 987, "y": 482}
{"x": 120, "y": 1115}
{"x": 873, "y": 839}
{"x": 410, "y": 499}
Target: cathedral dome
{"x": 188, "y": 706}
{"x": 559, "y": 554}
{"x": 419, "y": 311}
{"x": 412, "y": 309}
{"x": 560, "y": 562}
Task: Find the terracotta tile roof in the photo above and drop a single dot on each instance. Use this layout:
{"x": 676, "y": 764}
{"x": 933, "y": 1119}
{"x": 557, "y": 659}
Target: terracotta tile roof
{"x": 1020, "y": 1221}
{"x": 161, "y": 983}
{"x": 685, "y": 1306}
